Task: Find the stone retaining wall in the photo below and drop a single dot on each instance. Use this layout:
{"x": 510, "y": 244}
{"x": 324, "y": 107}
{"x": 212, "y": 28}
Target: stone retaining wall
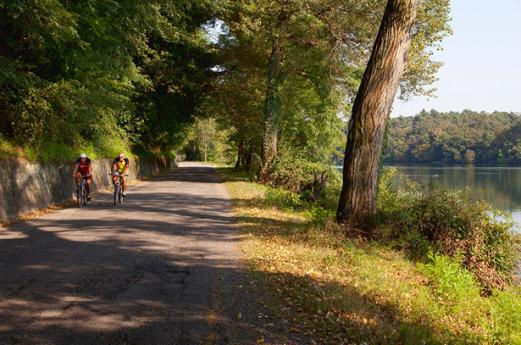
{"x": 27, "y": 186}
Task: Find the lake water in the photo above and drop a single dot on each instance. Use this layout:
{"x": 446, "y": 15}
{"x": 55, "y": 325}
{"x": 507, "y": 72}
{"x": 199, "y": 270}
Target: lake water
{"x": 499, "y": 186}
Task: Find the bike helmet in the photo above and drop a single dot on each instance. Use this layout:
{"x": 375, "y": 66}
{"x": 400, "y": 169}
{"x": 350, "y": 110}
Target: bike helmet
{"x": 83, "y": 155}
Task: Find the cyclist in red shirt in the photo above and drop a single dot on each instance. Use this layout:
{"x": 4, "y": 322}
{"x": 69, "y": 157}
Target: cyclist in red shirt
{"x": 83, "y": 167}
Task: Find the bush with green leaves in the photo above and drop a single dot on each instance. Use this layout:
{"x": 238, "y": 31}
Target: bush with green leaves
{"x": 449, "y": 223}
{"x": 283, "y": 198}
{"x": 292, "y": 170}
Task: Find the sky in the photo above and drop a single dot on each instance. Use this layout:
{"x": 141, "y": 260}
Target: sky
{"x": 482, "y": 60}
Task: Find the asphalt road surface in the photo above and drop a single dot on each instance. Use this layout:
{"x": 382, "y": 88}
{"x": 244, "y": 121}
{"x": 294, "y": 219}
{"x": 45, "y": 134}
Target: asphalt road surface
{"x": 163, "y": 268}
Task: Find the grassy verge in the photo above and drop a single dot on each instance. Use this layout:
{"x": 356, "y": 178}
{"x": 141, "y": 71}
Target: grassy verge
{"x": 49, "y": 151}
{"x": 7, "y": 149}
{"x": 333, "y": 289}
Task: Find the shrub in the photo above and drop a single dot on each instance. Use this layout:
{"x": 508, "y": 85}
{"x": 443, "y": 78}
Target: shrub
{"x": 332, "y": 189}
{"x": 292, "y": 171}
{"x": 316, "y": 183}
{"x": 321, "y": 215}
{"x": 283, "y": 199}
{"x": 448, "y": 222}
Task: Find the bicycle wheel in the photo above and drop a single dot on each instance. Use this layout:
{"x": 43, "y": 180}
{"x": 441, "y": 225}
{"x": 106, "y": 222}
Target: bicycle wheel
{"x": 78, "y": 197}
{"x": 84, "y": 195}
{"x": 120, "y": 197}
{"x": 116, "y": 193}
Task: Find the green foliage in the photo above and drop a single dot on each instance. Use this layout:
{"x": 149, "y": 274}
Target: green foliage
{"x": 283, "y": 199}
{"x": 431, "y": 28}
{"x": 7, "y": 149}
{"x": 333, "y": 186}
{"x": 51, "y": 151}
{"x": 94, "y": 74}
{"x": 466, "y": 137}
{"x": 293, "y": 170}
{"x": 461, "y": 293}
{"x": 207, "y": 140}
{"x": 498, "y": 314}
{"x": 504, "y": 310}
{"x": 100, "y": 75}
{"x": 448, "y": 223}
{"x": 320, "y": 214}
{"x": 322, "y": 47}
{"x": 451, "y": 281}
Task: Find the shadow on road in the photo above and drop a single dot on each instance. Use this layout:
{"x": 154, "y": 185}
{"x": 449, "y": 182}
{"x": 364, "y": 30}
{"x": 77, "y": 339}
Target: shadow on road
{"x": 162, "y": 268}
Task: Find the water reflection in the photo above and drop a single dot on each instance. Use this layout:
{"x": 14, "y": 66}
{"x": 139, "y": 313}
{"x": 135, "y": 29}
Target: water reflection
{"x": 499, "y": 186}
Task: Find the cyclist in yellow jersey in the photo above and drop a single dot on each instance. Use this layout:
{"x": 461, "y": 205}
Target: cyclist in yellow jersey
{"x": 120, "y": 167}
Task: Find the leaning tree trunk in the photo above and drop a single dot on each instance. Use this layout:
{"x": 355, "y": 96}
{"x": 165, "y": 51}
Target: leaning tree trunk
{"x": 272, "y": 103}
{"x": 371, "y": 110}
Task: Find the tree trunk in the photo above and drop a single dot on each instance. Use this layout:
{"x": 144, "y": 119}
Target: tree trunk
{"x": 272, "y": 103}
{"x": 371, "y": 110}
{"x": 248, "y": 155}
{"x": 239, "y": 165}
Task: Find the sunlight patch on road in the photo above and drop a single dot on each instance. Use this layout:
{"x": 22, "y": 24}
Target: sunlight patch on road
{"x": 11, "y": 235}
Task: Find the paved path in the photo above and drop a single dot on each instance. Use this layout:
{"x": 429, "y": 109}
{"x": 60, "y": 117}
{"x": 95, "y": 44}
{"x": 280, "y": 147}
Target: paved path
{"x": 163, "y": 268}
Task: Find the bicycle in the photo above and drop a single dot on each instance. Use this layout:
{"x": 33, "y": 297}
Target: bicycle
{"x": 118, "y": 190}
{"x": 81, "y": 192}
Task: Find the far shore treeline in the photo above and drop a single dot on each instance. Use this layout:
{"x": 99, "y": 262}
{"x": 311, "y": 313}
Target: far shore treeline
{"x": 455, "y": 138}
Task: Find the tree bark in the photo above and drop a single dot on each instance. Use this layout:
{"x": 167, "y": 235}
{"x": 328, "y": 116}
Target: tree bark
{"x": 252, "y": 147}
{"x": 371, "y": 110}
{"x": 272, "y": 103}
{"x": 239, "y": 165}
